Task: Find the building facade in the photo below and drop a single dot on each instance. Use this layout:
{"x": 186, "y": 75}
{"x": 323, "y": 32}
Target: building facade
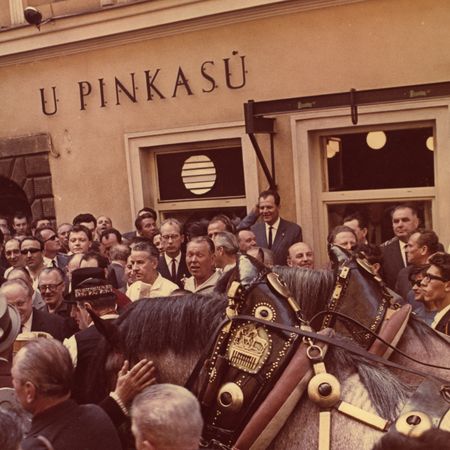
{"x": 113, "y": 105}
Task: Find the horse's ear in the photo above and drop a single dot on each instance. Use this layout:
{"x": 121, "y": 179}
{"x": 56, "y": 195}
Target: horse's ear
{"x": 107, "y": 329}
{"x": 337, "y": 254}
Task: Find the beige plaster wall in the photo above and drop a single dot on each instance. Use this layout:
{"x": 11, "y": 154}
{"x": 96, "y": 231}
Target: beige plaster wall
{"x": 364, "y": 45}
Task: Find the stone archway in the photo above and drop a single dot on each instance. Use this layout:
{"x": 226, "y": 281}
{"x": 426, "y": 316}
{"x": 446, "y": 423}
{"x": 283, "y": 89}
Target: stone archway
{"x": 24, "y": 161}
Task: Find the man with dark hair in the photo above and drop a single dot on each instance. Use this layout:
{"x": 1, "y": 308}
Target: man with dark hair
{"x": 145, "y": 226}
{"x": 109, "y": 238}
{"x": 149, "y": 283}
{"x": 32, "y": 250}
{"x": 149, "y": 213}
{"x": 19, "y": 294}
{"x": 421, "y": 245}
{"x": 13, "y": 255}
{"x": 87, "y": 220}
{"x": 358, "y": 223}
{"x": 405, "y": 221}
{"x": 200, "y": 259}
{"x": 42, "y": 377}
{"x": 52, "y": 246}
{"x": 274, "y": 232}
{"x": 436, "y": 288}
{"x": 80, "y": 239}
{"x": 21, "y": 224}
{"x": 172, "y": 263}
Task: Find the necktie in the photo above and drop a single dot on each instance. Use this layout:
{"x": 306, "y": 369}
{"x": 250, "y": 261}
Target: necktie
{"x": 174, "y": 269}
{"x": 54, "y": 263}
{"x": 270, "y": 237}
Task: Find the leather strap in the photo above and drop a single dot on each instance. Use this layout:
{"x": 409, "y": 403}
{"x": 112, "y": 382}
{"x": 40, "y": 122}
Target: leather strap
{"x": 348, "y": 346}
{"x": 271, "y": 415}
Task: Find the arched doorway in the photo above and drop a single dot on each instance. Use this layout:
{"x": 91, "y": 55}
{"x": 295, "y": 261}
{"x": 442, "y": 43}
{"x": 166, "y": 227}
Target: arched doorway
{"x": 12, "y": 199}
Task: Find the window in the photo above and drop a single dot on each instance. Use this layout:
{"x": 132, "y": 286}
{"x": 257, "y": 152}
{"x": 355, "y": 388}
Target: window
{"x": 397, "y": 153}
{"x": 193, "y": 173}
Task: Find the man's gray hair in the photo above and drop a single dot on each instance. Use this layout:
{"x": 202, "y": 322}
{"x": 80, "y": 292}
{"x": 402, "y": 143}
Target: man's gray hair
{"x": 168, "y": 416}
{"x": 227, "y": 241}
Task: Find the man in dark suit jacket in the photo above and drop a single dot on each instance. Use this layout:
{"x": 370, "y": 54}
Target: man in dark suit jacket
{"x": 56, "y": 418}
{"x": 274, "y": 232}
{"x": 436, "y": 289}
{"x": 405, "y": 222}
{"x": 20, "y": 294}
{"x": 172, "y": 263}
{"x": 52, "y": 248}
{"x": 421, "y": 245}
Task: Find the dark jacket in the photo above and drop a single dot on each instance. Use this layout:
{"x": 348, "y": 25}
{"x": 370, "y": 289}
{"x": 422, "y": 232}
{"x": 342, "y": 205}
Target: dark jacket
{"x": 182, "y": 271}
{"x": 288, "y": 233}
{"x": 50, "y": 323}
{"x": 68, "y": 426}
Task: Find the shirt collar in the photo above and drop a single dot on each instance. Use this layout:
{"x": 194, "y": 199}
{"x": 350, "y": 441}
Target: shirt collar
{"x": 169, "y": 259}
{"x": 275, "y": 225}
{"x": 439, "y": 315}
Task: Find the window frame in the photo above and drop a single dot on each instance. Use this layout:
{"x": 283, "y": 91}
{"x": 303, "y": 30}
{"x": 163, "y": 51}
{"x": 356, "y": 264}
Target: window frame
{"x": 140, "y": 151}
{"x": 311, "y": 197}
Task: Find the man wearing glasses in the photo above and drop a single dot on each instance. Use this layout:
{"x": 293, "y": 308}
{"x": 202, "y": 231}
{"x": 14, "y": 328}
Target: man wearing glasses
{"x": 18, "y": 293}
{"x": 436, "y": 287}
{"x": 172, "y": 263}
{"x": 52, "y": 248}
{"x": 51, "y": 287}
{"x": 31, "y": 249}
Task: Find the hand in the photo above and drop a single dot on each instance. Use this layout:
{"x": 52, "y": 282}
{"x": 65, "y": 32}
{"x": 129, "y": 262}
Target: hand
{"x": 131, "y": 382}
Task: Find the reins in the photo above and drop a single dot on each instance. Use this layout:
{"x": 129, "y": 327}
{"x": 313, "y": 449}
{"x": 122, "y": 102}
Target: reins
{"x": 332, "y": 341}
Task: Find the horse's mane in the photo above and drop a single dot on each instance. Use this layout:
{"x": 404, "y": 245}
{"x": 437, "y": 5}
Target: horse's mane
{"x": 181, "y": 324}
{"x": 311, "y": 288}
{"x": 386, "y": 391}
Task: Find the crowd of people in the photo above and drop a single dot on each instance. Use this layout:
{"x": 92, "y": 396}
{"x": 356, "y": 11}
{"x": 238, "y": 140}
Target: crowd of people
{"x": 57, "y": 281}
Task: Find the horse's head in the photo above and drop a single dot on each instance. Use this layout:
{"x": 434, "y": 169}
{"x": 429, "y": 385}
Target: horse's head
{"x": 253, "y": 289}
{"x": 359, "y": 293}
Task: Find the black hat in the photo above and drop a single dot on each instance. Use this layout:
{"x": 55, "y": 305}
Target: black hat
{"x": 79, "y": 275}
{"x": 93, "y": 289}
{"x": 9, "y": 324}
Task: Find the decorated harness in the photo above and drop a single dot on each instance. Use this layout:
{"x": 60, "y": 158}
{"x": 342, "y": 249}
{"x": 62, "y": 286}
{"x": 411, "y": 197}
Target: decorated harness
{"x": 265, "y": 355}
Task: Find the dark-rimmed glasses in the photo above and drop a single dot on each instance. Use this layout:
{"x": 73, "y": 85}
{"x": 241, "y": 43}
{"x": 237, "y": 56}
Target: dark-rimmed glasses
{"x": 430, "y": 276}
{"x": 50, "y": 287}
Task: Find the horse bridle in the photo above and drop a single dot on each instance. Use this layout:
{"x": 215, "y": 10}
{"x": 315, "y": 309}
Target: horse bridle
{"x": 325, "y": 388}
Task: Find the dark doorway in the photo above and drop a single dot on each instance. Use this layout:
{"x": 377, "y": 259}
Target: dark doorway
{"x": 12, "y": 199}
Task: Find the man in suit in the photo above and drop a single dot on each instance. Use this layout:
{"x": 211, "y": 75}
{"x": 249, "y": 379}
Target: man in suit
{"x": 172, "y": 263}
{"x": 97, "y": 295}
{"x": 52, "y": 248}
{"x": 19, "y": 294}
{"x": 42, "y": 375}
{"x": 405, "y": 222}
{"x": 274, "y": 232}
{"x": 421, "y": 245}
{"x": 145, "y": 224}
{"x": 436, "y": 288}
